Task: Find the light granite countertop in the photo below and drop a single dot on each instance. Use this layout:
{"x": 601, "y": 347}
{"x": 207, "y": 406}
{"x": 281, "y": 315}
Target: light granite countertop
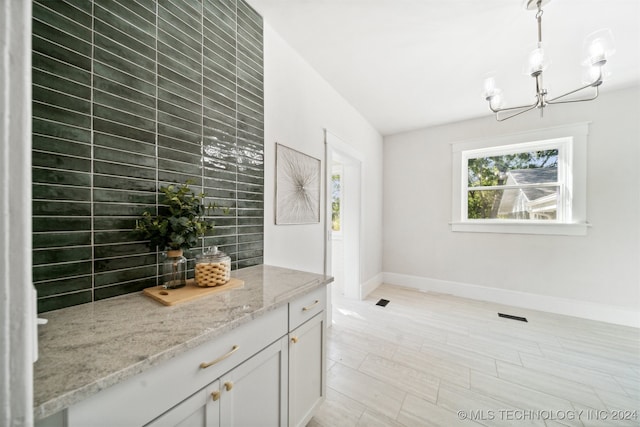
{"x": 86, "y": 348}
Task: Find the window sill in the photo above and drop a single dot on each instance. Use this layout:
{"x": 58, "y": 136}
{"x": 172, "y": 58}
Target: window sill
{"x": 519, "y": 227}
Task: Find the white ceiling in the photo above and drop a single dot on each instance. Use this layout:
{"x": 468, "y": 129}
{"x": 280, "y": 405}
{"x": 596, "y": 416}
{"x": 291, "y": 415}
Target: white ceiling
{"x": 407, "y": 64}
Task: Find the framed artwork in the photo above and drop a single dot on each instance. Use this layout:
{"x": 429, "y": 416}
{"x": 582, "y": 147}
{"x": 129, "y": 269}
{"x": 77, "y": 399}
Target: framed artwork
{"x": 297, "y": 187}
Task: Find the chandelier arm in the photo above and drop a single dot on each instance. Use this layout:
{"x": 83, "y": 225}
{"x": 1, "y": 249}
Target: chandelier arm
{"x": 555, "y": 100}
{"x": 524, "y": 109}
{"x": 502, "y": 110}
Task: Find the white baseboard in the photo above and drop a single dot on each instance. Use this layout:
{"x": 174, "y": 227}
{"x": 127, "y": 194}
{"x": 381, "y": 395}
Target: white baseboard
{"x": 370, "y": 285}
{"x": 551, "y": 304}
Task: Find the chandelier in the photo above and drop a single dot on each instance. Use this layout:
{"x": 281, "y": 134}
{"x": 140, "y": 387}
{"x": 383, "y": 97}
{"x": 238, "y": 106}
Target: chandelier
{"x": 599, "y": 46}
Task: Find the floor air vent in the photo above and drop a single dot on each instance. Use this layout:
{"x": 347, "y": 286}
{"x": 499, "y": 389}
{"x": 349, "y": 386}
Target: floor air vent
{"x": 383, "y": 302}
{"x": 509, "y": 316}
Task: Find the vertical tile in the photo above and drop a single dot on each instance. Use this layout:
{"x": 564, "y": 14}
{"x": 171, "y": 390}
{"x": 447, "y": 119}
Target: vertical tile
{"x": 124, "y": 168}
{"x": 250, "y": 126}
{"x": 128, "y": 96}
{"x": 61, "y": 156}
{"x": 180, "y": 111}
{"x": 219, "y": 126}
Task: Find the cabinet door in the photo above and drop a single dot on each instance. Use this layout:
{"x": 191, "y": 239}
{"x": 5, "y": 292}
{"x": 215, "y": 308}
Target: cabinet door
{"x": 200, "y": 410}
{"x": 307, "y": 377}
{"x": 255, "y": 393}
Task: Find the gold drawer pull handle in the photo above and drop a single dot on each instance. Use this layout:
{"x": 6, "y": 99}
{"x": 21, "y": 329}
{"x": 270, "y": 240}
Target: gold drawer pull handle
{"x": 228, "y": 385}
{"x": 205, "y": 365}
{"x": 309, "y": 307}
{"x": 294, "y": 340}
{"x": 215, "y": 395}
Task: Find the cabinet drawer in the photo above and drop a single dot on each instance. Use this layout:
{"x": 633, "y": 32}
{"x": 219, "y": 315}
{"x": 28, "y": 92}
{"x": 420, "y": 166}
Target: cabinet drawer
{"x": 307, "y": 306}
{"x": 140, "y": 399}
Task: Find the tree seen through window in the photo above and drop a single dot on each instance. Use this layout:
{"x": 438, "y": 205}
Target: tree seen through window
{"x": 336, "y": 189}
{"x": 519, "y": 185}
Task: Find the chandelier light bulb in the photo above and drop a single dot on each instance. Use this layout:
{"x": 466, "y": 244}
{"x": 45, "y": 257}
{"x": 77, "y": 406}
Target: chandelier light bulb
{"x": 595, "y": 75}
{"x": 597, "y": 52}
{"x": 592, "y": 75}
{"x": 490, "y": 88}
{"x": 536, "y": 62}
{"x": 497, "y": 100}
{"x": 599, "y": 47}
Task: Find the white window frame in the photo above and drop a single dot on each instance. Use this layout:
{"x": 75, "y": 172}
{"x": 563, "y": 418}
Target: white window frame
{"x": 571, "y": 142}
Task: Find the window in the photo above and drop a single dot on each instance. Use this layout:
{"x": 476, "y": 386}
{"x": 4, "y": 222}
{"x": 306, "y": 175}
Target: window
{"x": 531, "y": 183}
{"x": 336, "y": 199}
{"x": 519, "y": 182}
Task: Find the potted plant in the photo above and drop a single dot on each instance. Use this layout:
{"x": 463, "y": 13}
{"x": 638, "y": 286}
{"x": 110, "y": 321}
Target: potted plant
{"x": 177, "y": 226}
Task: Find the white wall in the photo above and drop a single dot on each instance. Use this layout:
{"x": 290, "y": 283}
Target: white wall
{"x": 594, "y": 271}
{"x": 17, "y": 295}
{"x": 299, "y": 105}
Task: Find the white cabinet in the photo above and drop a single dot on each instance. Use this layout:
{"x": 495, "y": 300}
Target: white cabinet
{"x": 252, "y": 394}
{"x": 144, "y": 397}
{"x": 268, "y": 372}
{"x": 307, "y": 355}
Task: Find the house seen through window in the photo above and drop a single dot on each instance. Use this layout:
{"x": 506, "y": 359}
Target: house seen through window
{"x": 520, "y": 185}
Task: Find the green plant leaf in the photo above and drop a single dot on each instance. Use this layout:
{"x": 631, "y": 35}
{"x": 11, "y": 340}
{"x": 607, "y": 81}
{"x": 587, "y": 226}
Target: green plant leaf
{"x": 180, "y": 221}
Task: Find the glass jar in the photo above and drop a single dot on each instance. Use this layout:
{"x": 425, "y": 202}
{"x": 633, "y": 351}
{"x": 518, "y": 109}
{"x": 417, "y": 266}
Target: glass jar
{"x": 213, "y": 268}
{"x": 174, "y": 269}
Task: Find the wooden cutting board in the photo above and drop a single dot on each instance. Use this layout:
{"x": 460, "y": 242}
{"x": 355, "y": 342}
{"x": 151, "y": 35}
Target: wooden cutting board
{"x": 189, "y": 292}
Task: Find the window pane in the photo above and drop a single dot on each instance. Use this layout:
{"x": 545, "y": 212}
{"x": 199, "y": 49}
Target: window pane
{"x": 539, "y": 203}
{"x": 529, "y": 167}
{"x": 335, "y": 201}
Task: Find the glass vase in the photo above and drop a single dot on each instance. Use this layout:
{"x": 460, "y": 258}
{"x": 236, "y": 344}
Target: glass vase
{"x": 174, "y": 270}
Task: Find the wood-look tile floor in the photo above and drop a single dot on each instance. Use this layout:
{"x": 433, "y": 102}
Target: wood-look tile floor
{"x": 437, "y": 360}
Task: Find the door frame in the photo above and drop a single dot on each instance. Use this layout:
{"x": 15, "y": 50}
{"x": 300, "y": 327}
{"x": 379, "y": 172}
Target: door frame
{"x": 18, "y": 335}
{"x": 352, "y": 162}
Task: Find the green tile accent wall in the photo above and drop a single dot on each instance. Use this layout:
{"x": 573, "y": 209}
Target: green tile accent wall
{"x": 128, "y": 96}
